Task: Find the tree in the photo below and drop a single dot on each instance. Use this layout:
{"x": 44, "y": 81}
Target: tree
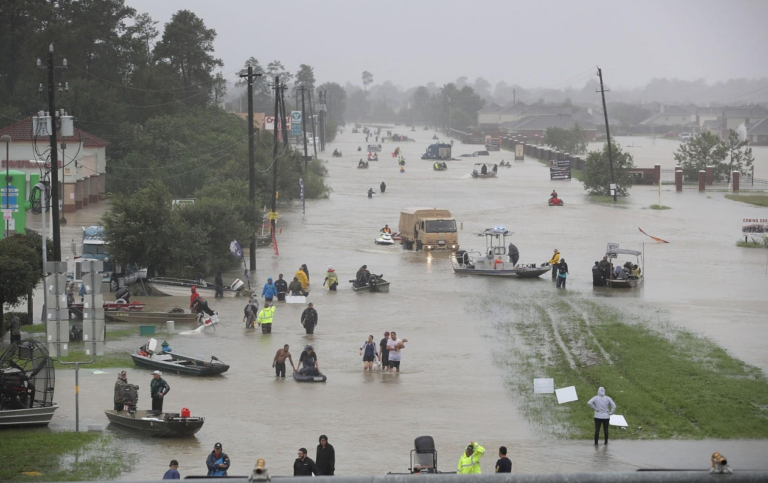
{"x": 277, "y": 68}
{"x": 20, "y": 271}
{"x": 306, "y": 76}
{"x": 572, "y": 141}
{"x": 142, "y": 228}
{"x": 739, "y": 159}
{"x": 367, "y": 79}
{"x": 597, "y": 173}
{"x": 358, "y": 107}
{"x": 187, "y": 47}
{"x": 702, "y": 150}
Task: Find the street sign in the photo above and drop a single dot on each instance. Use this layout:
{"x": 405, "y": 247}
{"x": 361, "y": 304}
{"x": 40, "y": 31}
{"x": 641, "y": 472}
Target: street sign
{"x": 269, "y": 123}
{"x": 9, "y": 199}
{"x": 295, "y": 123}
{"x": 273, "y": 215}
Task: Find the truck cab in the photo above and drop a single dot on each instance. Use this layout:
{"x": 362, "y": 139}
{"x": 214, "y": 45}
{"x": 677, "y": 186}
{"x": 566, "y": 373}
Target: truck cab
{"x": 428, "y": 229}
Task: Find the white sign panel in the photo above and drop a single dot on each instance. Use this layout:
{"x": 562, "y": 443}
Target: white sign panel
{"x": 566, "y": 394}
{"x": 617, "y": 420}
{"x": 543, "y": 386}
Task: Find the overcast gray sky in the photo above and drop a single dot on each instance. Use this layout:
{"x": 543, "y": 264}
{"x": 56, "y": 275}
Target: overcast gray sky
{"x": 531, "y": 43}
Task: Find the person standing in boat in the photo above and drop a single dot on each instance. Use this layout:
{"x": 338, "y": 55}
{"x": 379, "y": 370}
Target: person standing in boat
{"x": 554, "y": 261}
{"x": 218, "y": 284}
{"x": 158, "y": 388}
{"x": 122, "y": 380}
{"x": 282, "y": 288}
{"x": 514, "y": 254}
{"x": 124, "y": 294}
{"x": 269, "y": 290}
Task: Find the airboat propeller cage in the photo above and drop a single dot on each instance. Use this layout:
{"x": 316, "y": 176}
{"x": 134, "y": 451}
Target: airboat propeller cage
{"x": 27, "y": 376}
{"x": 424, "y": 454}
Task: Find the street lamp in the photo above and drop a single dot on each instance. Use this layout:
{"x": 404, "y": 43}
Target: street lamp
{"x": 63, "y": 219}
{"x": 7, "y": 140}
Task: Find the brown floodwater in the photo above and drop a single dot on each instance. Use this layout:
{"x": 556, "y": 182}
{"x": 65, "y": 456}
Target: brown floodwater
{"x": 449, "y": 387}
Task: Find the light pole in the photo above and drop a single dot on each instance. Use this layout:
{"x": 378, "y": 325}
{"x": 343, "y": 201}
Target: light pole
{"x": 7, "y": 140}
{"x": 63, "y": 220}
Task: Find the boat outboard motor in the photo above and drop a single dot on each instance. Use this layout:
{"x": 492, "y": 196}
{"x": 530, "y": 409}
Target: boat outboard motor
{"x": 425, "y": 455}
{"x": 130, "y": 398}
{"x": 373, "y": 283}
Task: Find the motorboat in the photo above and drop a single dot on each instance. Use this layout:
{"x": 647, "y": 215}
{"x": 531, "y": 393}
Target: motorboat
{"x": 484, "y": 170}
{"x": 156, "y": 424}
{"x": 156, "y": 318}
{"x": 374, "y": 148}
{"x": 362, "y": 166}
{"x": 491, "y": 262}
{"x": 439, "y": 166}
{"x": 320, "y": 377}
{"x": 613, "y": 252}
{"x": 27, "y": 380}
{"x": 164, "y": 359}
{"x": 384, "y": 239}
{"x": 373, "y": 158}
{"x": 120, "y": 305}
{"x": 181, "y": 287}
{"x": 376, "y": 284}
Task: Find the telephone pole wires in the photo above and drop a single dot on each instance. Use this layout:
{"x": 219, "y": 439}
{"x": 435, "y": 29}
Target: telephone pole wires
{"x": 251, "y": 77}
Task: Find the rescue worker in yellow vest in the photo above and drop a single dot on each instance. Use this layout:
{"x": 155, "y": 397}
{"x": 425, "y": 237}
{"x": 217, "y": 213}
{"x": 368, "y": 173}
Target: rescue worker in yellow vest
{"x": 554, "y": 261}
{"x": 265, "y": 318}
{"x": 470, "y": 460}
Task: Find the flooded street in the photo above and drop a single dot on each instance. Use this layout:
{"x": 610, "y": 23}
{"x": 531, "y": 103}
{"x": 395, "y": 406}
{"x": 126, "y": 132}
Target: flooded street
{"x": 449, "y": 386}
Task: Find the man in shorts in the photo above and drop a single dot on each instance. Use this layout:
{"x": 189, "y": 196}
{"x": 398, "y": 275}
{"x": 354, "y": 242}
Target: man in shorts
{"x": 393, "y": 346}
{"x": 384, "y": 352}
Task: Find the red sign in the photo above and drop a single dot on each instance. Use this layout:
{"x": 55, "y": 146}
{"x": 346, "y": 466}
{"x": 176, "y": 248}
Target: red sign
{"x": 269, "y": 123}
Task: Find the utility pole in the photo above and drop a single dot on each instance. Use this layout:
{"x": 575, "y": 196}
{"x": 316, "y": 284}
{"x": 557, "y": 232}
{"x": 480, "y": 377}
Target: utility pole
{"x": 312, "y": 115}
{"x": 282, "y": 113}
{"x": 607, "y": 134}
{"x": 303, "y": 124}
{"x": 274, "y": 154}
{"x": 54, "y": 152}
{"x": 251, "y": 77}
{"x": 321, "y": 119}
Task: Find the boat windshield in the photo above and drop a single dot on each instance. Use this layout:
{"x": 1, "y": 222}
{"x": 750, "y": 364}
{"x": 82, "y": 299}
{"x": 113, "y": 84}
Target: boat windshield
{"x": 441, "y": 226}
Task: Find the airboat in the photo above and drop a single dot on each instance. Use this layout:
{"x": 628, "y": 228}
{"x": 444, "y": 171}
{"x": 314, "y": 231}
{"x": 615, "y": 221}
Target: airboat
{"x": 491, "y": 262}
{"x": 27, "y": 381}
{"x": 484, "y": 170}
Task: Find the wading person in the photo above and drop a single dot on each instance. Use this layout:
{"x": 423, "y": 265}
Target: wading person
{"x": 394, "y": 345}
{"x": 369, "y": 353}
{"x": 301, "y": 276}
{"x": 14, "y": 328}
{"x": 562, "y": 273}
{"x": 309, "y": 318}
{"x": 331, "y": 279}
{"x": 597, "y": 276}
{"x": 158, "y": 388}
{"x": 279, "y": 361}
{"x": 265, "y": 318}
{"x": 122, "y": 380}
{"x": 604, "y": 407}
{"x": 554, "y": 261}
{"x": 325, "y": 458}
{"x": 383, "y": 187}
{"x": 295, "y": 288}
{"x": 218, "y": 284}
{"x": 503, "y": 464}
{"x": 269, "y": 290}
{"x": 469, "y": 462}
{"x": 304, "y": 466}
{"x": 384, "y": 352}
{"x": 217, "y": 462}
{"x": 282, "y": 288}
{"x": 605, "y": 268}
{"x": 250, "y": 311}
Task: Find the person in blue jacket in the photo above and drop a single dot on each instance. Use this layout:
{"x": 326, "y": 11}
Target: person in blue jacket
{"x": 269, "y": 291}
{"x": 217, "y": 462}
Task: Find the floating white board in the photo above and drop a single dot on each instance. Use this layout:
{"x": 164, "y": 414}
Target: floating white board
{"x": 617, "y": 420}
{"x": 566, "y": 394}
{"x": 543, "y": 386}
{"x": 296, "y": 299}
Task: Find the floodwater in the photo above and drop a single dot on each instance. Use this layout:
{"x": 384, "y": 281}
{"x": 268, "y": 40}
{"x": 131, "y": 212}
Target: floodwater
{"x": 449, "y": 388}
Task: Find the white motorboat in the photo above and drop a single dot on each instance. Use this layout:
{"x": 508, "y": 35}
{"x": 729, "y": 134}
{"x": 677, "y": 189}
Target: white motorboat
{"x": 384, "y": 239}
{"x": 180, "y": 287}
{"x": 492, "y": 262}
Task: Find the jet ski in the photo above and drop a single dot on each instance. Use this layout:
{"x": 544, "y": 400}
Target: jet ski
{"x": 384, "y": 239}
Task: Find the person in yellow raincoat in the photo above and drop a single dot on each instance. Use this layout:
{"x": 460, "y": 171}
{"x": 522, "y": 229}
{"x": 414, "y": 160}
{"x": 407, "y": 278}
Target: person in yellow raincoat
{"x": 554, "y": 261}
{"x": 470, "y": 460}
{"x": 302, "y": 278}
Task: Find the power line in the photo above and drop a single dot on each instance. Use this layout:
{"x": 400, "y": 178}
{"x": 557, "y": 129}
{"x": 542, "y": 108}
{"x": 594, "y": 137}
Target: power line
{"x": 588, "y": 71}
{"x": 147, "y": 106}
{"x": 170, "y": 89}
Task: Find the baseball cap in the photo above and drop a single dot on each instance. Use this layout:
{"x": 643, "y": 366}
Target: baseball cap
{"x": 470, "y": 447}
{"x": 217, "y": 446}
{"x": 157, "y": 373}
{"x": 174, "y": 463}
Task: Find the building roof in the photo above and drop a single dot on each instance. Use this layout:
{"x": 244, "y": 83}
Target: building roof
{"x": 713, "y": 124}
{"x": 759, "y": 129}
{"x": 667, "y": 113}
{"x": 542, "y": 123}
{"x": 22, "y": 132}
{"x": 755, "y": 112}
{"x": 490, "y": 108}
